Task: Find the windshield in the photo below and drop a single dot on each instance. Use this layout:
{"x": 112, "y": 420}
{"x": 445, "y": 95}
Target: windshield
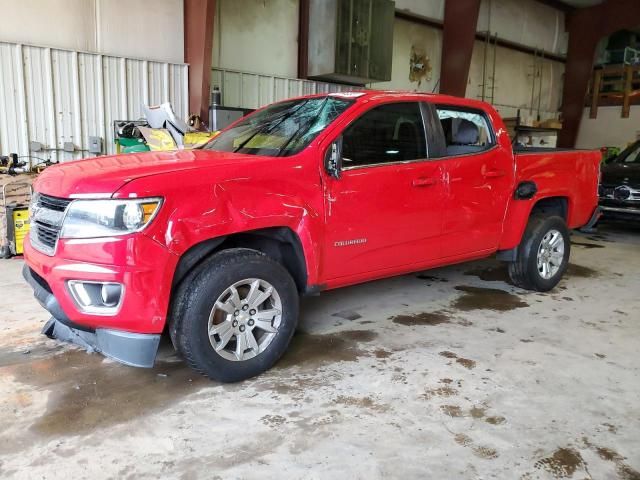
{"x": 629, "y": 155}
{"x": 282, "y": 129}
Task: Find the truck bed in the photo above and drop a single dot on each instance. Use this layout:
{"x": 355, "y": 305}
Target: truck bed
{"x": 572, "y": 174}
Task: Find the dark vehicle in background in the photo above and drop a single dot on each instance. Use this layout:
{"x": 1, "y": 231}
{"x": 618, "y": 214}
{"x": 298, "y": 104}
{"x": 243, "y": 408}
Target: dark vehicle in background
{"x": 620, "y": 185}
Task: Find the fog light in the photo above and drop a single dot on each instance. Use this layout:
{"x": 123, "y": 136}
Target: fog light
{"x": 97, "y": 298}
{"x": 110, "y": 293}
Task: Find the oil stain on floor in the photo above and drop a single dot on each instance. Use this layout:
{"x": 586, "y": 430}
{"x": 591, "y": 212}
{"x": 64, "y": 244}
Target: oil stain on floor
{"x": 498, "y": 271}
{"x": 10, "y": 357}
{"x": 89, "y": 392}
{"x": 580, "y": 271}
{"x": 311, "y": 351}
{"x": 479, "y": 298}
{"x": 425, "y": 318}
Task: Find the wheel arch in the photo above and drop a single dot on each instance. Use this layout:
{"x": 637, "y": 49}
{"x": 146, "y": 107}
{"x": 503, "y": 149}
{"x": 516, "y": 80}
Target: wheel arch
{"x": 548, "y": 206}
{"x": 518, "y": 215}
{"x": 280, "y": 243}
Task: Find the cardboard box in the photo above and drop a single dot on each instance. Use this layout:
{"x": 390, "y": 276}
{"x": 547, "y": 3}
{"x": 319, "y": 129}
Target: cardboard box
{"x": 18, "y": 192}
{"x": 551, "y": 123}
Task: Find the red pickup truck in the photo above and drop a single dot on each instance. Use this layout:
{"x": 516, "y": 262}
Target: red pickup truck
{"x": 215, "y": 245}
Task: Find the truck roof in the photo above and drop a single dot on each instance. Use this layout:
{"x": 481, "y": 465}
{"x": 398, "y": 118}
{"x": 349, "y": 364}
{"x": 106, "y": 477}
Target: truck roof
{"x": 382, "y": 95}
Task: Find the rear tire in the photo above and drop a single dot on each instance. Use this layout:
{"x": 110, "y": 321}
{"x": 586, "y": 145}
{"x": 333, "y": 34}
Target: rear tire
{"x": 543, "y": 254}
{"x": 235, "y": 315}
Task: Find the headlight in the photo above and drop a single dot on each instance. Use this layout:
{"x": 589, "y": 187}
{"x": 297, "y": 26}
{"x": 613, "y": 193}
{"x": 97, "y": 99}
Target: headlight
{"x": 106, "y": 218}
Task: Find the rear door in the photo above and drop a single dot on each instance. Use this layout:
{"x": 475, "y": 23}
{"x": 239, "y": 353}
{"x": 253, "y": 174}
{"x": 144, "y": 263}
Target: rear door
{"x": 385, "y": 210}
{"x": 479, "y": 175}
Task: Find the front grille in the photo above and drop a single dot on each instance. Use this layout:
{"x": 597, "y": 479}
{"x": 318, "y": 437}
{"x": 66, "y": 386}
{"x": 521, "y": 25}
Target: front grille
{"x": 606, "y": 191}
{"x": 47, "y": 222}
{"x": 619, "y": 192}
{"x": 53, "y": 203}
{"x": 47, "y": 234}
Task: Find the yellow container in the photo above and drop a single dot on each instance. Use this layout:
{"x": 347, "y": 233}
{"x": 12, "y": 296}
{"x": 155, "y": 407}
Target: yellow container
{"x": 21, "y": 227}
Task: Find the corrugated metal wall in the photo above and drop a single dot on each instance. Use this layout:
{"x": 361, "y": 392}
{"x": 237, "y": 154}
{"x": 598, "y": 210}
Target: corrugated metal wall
{"x": 54, "y": 96}
{"x": 254, "y": 90}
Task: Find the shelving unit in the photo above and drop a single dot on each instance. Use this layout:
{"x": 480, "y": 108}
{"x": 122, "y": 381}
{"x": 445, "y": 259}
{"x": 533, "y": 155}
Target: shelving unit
{"x": 545, "y": 137}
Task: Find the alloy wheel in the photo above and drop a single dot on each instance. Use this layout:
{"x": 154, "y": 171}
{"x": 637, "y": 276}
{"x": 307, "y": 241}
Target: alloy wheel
{"x": 245, "y": 319}
{"x": 550, "y": 254}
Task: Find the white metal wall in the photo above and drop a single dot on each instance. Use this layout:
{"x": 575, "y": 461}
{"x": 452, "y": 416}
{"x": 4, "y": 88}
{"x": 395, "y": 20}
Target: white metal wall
{"x": 53, "y": 96}
{"x": 254, "y": 90}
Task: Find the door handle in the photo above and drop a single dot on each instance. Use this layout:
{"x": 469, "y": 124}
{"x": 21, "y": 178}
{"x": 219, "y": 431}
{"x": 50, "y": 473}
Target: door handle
{"x": 424, "y": 182}
{"x": 494, "y": 173}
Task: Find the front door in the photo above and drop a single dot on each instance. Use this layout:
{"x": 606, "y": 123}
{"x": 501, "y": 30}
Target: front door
{"x": 385, "y": 211}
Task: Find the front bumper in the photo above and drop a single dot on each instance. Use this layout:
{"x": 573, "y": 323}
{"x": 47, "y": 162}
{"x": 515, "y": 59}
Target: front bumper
{"x": 135, "y": 349}
{"x": 141, "y": 265}
{"x": 144, "y": 267}
{"x": 628, "y": 211}
{"x": 620, "y": 210}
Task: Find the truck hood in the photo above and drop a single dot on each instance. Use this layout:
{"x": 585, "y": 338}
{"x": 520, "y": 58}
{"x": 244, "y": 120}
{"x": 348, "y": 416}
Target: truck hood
{"x": 106, "y": 175}
{"x": 621, "y": 174}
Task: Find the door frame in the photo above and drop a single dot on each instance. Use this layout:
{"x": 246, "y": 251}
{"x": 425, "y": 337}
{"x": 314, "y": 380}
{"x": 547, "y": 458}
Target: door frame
{"x": 327, "y": 180}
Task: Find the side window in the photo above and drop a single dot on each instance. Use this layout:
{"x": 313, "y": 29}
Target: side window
{"x": 465, "y": 131}
{"x": 389, "y": 133}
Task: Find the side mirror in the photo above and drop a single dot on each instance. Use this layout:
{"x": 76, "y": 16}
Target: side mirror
{"x": 333, "y": 158}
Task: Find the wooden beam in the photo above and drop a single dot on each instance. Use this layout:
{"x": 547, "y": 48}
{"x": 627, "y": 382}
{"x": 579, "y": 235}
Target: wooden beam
{"x": 303, "y": 38}
{"x": 458, "y": 36}
{"x": 586, "y": 27}
{"x": 198, "y": 46}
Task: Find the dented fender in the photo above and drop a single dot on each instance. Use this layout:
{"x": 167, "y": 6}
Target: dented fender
{"x": 206, "y": 204}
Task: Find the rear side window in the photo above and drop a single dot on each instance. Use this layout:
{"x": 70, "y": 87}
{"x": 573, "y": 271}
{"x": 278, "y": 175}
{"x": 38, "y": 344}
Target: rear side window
{"x": 465, "y": 131}
{"x": 386, "y": 134}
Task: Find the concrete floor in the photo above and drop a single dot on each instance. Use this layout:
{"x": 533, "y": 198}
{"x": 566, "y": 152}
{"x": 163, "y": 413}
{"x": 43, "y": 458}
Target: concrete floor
{"x": 451, "y": 373}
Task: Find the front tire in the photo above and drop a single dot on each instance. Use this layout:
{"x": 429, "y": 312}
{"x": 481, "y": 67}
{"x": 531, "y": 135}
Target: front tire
{"x": 543, "y": 254}
{"x": 235, "y": 315}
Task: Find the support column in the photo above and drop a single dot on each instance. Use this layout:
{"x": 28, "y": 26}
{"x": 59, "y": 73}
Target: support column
{"x": 459, "y": 34}
{"x": 303, "y": 38}
{"x": 198, "y": 45}
{"x": 584, "y": 34}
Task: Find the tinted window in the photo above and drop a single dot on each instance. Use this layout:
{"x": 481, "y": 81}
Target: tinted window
{"x": 465, "y": 131}
{"x": 284, "y": 128}
{"x": 385, "y": 134}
